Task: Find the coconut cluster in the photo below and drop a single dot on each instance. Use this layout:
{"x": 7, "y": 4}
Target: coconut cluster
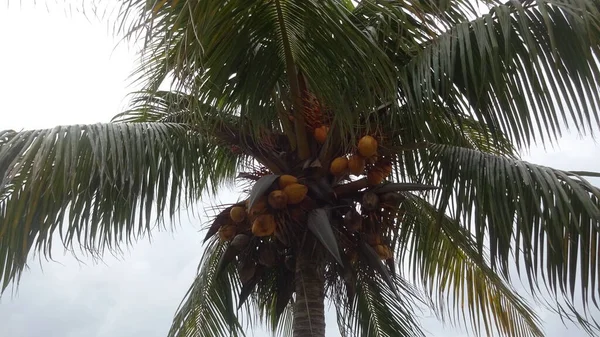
{"x": 365, "y": 161}
{"x": 260, "y": 219}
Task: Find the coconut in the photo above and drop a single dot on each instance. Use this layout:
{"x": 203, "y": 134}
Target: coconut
{"x": 338, "y": 166}
{"x": 378, "y": 173}
{"x": 367, "y": 146}
{"x": 320, "y": 134}
{"x": 295, "y": 193}
{"x": 264, "y": 225}
{"x": 286, "y": 180}
{"x": 356, "y": 165}
{"x": 353, "y": 220}
{"x": 227, "y": 232}
{"x": 237, "y": 214}
{"x": 278, "y": 199}
{"x": 370, "y": 201}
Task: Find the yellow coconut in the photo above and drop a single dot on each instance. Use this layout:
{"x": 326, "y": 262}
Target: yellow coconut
{"x": 367, "y": 146}
{"x": 320, "y": 134}
{"x": 264, "y": 225}
{"x": 227, "y": 232}
{"x": 278, "y": 199}
{"x": 356, "y": 165}
{"x": 237, "y": 213}
{"x": 286, "y": 180}
{"x": 295, "y": 193}
{"x": 338, "y": 166}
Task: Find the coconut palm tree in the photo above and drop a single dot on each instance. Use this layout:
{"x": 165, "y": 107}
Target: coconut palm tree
{"x": 377, "y": 147}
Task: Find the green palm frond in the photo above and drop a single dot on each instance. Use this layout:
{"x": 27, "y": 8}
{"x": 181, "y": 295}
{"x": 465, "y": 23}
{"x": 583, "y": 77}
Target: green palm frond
{"x": 98, "y": 185}
{"x": 208, "y": 307}
{"x": 418, "y": 131}
{"x": 441, "y": 255}
{"x": 529, "y": 70}
{"x": 223, "y": 55}
{"x": 376, "y": 311}
{"x": 545, "y": 218}
{"x": 225, "y": 128}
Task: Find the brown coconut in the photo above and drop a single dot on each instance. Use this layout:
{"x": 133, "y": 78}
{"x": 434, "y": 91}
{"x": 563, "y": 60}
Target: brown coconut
{"x": 237, "y": 213}
{"x": 278, "y": 199}
{"x": 320, "y": 134}
{"x": 264, "y": 225}
{"x": 227, "y": 232}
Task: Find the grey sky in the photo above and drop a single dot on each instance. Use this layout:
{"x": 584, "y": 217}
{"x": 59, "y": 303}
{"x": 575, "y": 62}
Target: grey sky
{"x": 56, "y": 69}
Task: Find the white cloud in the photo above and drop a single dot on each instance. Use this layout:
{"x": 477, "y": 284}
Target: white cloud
{"x": 56, "y": 69}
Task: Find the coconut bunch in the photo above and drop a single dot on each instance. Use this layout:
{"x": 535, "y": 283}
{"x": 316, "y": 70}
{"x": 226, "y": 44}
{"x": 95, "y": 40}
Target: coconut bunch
{"x": 346, "y": 205}
{"x": 364, "y": 161}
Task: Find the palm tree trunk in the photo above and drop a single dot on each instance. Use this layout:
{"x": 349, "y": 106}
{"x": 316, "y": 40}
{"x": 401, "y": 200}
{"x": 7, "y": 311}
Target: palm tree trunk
{"x": 309, "y": 308}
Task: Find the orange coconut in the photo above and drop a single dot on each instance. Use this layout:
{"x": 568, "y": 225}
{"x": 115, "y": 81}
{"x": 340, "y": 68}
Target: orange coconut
{"x": 356, "y": 165}
{"x": 286, "y": 180}
{"x": 320, "y": 134}
{"x": 367, "y": 146}
{"x": 338, "y": 166}
{"x": 295, "y": 193}
{"x": 278, "y": 199}
{"x": 264, "y": 225}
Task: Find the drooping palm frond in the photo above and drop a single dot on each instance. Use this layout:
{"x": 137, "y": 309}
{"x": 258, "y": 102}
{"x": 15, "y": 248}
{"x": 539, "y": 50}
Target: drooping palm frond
{"x": 376, "y": 311}
{"x": 97, "y": 185}
{"x": 441, "y": 255}
{"x": 545, "y": 218}
{"x": 527, "y": 69}
{"x": 418, "y": 130}
{"x": 208, "y": 308}
{"x": 249, "y": 141}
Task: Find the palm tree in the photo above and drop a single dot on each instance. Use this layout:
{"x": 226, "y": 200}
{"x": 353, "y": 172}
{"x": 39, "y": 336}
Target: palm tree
{"x": 378, "y": 145}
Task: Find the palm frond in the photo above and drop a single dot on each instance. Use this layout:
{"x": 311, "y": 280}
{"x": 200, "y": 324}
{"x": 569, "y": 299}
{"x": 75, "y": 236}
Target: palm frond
{"x": 208, "y": 307}
{"x": 442, "y": 256}
{"x": 98, "y": 185}
{"x": 545, "y": 218}
{"x": 227, "y": 129}
{"x": 376, "y": 310}
{"x": 232, "y": 54}
{"x": 529, "y": 70}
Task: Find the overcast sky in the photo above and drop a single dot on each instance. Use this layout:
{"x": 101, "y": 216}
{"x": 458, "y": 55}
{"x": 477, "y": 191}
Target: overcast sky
{"x": 59, "y": 69}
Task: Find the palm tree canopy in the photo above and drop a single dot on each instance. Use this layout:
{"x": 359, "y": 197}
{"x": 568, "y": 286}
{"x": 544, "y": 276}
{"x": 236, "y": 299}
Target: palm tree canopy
{"x": 451, "y": 90}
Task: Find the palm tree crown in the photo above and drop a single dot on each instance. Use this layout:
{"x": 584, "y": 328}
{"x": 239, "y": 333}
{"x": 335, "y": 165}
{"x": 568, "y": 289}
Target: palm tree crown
{"x": 377, "y": 142}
